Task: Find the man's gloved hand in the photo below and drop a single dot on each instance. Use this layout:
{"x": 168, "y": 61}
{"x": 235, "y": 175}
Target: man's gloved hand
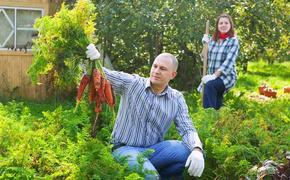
{"x": 195, "y": 163}
{"x": 205, "y": 38}
{"x": 92, "y": 52}
{"x": 208, "y": 77}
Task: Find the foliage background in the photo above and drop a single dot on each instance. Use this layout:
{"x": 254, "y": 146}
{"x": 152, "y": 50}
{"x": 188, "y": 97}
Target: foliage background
{"x": 133, "y": 33}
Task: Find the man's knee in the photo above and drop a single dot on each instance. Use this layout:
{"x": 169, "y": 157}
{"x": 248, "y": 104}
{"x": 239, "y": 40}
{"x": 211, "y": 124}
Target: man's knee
{"x": 131, "y": 156}
{"x": 176, "y": 151}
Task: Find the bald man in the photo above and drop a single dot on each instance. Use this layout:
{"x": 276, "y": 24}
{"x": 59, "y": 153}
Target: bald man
{"x": 147, "y": 108}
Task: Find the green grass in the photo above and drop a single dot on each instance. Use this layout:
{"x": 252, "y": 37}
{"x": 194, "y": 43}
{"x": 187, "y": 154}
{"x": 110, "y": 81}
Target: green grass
{"x": 276, "y": 76}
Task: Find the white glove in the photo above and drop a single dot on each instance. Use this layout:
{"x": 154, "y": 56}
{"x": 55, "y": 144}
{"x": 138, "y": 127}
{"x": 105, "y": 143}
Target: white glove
{"x": 205, "y": 38}
{"x": 195, "y": 163}
{"x": 92, "y": 52}
{"x": 199, "y": 88}
{"x": 208, "y": 77}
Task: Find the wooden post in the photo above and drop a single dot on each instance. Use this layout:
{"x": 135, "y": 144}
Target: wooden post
{"x": 204, "y": 59}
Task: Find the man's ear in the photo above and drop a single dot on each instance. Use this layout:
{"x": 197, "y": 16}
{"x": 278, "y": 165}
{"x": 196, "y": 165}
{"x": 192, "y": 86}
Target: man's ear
{"x": 173, "y": 75}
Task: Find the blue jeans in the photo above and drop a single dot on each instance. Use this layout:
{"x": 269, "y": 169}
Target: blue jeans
{"x": 213, "y": 94}
{"x": 167, "y": 160}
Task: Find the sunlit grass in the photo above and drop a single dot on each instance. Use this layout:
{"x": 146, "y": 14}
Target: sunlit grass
{"x": 276, "y": 76}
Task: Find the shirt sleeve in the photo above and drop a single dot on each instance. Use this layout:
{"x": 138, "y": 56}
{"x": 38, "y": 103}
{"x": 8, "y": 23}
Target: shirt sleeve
{"x": 232, "y": 55}
{"x": 185, "y": 126}
{"x": 119, "y": 80}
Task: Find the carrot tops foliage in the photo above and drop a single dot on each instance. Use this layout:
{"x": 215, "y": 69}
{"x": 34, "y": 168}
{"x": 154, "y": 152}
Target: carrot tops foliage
{"x": 54, "y": 145}
{"x": 61, "y": 43}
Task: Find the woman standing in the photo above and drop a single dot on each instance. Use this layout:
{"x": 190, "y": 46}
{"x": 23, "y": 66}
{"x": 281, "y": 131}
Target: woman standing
{"x": 222, "y": 54}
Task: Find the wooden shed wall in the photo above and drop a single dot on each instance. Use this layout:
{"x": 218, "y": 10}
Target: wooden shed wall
{"x": 14, "y": 81}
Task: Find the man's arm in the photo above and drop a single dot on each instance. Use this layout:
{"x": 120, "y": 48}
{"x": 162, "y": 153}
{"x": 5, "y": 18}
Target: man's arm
{"x": 119, "y": 80}
{"x": 184, "y": 125}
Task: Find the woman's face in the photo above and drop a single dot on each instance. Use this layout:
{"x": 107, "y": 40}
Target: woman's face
{"x": 224, "y": 25}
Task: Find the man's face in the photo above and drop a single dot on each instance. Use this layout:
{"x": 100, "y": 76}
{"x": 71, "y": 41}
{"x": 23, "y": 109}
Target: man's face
{"x": 162, "y": 71}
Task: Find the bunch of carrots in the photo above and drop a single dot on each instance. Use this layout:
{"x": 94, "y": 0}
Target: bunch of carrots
{"x": 100, "y": 90}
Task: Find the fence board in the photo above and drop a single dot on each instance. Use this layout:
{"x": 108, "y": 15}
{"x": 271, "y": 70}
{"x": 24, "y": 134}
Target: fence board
{"x": 14, "y": 81}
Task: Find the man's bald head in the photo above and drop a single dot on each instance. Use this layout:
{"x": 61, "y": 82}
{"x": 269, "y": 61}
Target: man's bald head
{"x": 174, "y": 61}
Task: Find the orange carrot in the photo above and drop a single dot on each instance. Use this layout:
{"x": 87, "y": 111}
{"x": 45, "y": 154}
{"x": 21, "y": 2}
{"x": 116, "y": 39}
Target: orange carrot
{"x": 97, "y": 79}
{"x": 103, "y": 91}
{"x": 109, "y": 94}
{"x": 83, "y": 84}
{"x": 98, "y": 106}
{"x": 92, "y": 91}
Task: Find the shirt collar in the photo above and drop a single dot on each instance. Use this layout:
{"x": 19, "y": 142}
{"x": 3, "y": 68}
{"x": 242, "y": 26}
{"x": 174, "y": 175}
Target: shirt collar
{"x": 148, "y": 86}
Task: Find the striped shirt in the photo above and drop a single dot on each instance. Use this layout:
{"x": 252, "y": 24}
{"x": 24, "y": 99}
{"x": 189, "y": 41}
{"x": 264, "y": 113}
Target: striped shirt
{"x": 223, "y": 57}
{"x": 144, "y": 117}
